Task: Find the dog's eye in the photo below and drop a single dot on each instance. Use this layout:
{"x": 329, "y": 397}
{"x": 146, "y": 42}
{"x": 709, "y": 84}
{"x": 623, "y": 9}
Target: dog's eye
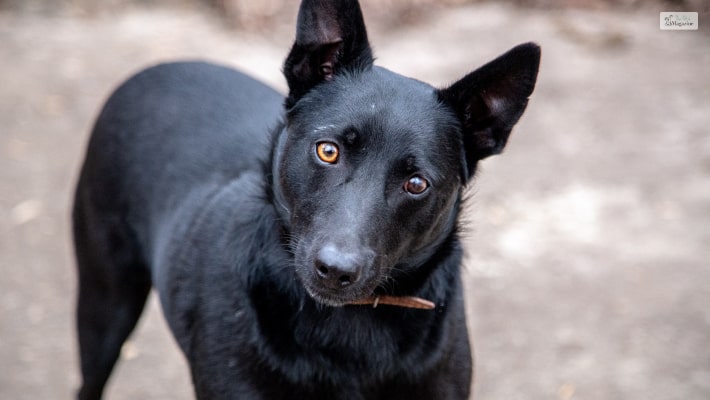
{"x": 327, "y": 152}
{"x": 416, "y": 185}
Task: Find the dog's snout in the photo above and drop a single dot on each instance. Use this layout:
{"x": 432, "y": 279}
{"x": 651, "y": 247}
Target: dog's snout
{"x": 338, "y": 268}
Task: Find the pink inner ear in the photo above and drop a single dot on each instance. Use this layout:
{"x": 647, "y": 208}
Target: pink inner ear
{"x": 496, "y": 105}
{"x": 327, "y": 29}
{"x": 329, "y": 58}
{"x": 326, "y": 71}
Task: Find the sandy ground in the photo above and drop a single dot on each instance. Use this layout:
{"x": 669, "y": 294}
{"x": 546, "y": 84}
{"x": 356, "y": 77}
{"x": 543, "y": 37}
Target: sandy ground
{"x": 587, "y": 273}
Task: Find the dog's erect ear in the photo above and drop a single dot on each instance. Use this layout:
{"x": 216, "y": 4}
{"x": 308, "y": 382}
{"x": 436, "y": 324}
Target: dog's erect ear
{"x": 491, "y": 99}
{"x": 330, "y": 38}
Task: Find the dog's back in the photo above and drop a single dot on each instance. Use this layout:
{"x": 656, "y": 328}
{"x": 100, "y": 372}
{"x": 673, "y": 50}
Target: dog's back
{"x": 164, "y": 143}
{"x": 172, "y": 129}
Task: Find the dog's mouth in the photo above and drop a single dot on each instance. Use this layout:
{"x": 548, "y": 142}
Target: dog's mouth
{"x": 329, "y": 298}
{"x": 337, "y": 298}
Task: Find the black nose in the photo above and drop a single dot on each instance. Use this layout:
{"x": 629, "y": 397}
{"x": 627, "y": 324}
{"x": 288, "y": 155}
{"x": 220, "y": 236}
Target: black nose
{"x": 338, "y": 268}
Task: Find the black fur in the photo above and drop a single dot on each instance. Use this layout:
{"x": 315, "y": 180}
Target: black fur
{"x": 256, "y": 246}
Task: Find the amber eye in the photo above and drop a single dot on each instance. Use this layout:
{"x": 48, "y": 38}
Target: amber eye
{"x": 416, "y": 185}
{"x": 327, "y": 152}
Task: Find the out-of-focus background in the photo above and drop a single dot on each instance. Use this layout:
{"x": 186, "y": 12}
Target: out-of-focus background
{"x": 588, "y": 240}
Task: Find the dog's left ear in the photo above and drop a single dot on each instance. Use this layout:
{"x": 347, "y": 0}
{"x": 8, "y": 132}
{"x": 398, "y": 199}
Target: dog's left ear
{"x": 491, "y": 99}
{"x": 330, "y": 38}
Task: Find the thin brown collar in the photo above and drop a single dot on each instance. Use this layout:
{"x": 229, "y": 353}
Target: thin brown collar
{"x": 403, "y": 301}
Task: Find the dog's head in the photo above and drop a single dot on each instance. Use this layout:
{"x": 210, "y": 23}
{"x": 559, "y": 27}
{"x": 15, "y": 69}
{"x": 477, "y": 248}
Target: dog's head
{"x": 373, "y": 164}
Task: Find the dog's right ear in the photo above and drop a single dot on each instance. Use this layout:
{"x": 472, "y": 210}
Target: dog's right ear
{"x": 491, "y": 99}
{"x": 330, "y": 38}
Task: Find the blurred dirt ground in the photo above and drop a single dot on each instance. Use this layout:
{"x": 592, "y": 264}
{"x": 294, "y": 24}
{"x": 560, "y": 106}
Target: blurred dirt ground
{"x": 588, "y": 242}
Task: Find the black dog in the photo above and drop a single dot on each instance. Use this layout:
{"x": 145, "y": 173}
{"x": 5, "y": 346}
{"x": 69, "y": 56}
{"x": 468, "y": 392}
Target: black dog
{"x": 311, "y": 254}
